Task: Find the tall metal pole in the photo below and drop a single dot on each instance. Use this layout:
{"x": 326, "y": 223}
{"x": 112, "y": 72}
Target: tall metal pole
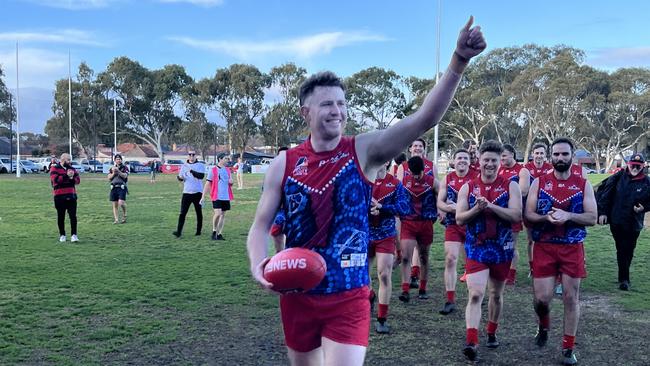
{"x": 11, "y": 132}
{"x": 17, "y": 119}
{"x": 435, "y": 130}
{"x": 69, "y": 106}
{"x": 114, "y": 127}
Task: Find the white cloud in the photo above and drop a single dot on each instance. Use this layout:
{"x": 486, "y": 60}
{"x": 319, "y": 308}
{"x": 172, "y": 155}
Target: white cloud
{"x": 69, "y": 36}
{"x": 75, "y": 4}
{"x": 301, "y": 47}
{"x": 37, "y": 67}
{"x": 620, "y": 57}
{"x": 204, "y": 3}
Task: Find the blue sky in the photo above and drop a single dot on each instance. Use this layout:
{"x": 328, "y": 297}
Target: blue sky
{"x": 343, "y": 36}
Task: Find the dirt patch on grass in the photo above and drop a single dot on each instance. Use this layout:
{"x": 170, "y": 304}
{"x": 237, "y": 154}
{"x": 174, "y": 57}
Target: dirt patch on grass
{"x": 251, "y": 335}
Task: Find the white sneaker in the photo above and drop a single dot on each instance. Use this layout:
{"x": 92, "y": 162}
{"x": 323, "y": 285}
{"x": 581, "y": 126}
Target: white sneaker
{"x": 62, "y": 238}
{"x": 74, "y": 238}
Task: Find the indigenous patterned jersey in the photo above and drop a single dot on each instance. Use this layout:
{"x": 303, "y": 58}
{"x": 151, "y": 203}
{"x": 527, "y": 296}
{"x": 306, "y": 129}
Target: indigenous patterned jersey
{"x": 454, "y": 184}
{"x": 511, "y": 173}
{"x": 326, "y": 200}
{"x": 394, "y": 200}
{"x": 536, "y": 172}
{"x": 489, "y": 238}
{"x": 422, "y": 198}
{"x": 428, "y": 168}
{"x": 567, "y": 195}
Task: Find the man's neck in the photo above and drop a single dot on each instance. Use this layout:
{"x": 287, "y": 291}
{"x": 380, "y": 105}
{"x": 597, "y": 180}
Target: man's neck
{"x": 538, "y": 166}
{"x": 562, "y": 175}
{"x": 487, "y": 179}
{"x": 461, "y": 174}
{"x": 321, "y": 145}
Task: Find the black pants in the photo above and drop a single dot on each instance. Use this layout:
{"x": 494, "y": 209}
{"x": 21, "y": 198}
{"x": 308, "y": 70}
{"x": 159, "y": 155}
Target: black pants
{"x": 186, "y": 201}
{"x": 625, "y": 239}
{"x": 62, "y": 205}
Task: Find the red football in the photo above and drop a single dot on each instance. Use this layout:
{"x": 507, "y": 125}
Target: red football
{"x": 295, "y": 269}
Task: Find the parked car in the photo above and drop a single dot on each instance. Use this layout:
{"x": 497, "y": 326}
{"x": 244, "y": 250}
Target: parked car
{"x": 138, "y": 167}
{"x": 43, "y": 164}
{"x": 11, "y": 166}
{"x": 4, "y": 169}
{"x": 29, "y": 166}
{"x": 77, "y": 166}
{"x": 95, "y": 166}
{"x": 172, "y": 166}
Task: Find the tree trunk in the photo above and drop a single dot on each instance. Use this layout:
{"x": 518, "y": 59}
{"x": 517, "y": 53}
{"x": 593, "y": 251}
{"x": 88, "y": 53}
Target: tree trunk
{"x": 529, "y": 141}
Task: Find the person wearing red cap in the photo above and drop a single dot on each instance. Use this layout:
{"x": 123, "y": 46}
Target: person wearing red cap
{"x": 623, "y": 199}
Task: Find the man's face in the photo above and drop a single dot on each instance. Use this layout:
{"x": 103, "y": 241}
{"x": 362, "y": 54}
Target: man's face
{"x": 561, "y": 157}
{"x": 417, "y": 148}
{"x": 539, "y": 155}
{"x": 191, "y": 156}
{"x": 224, "y": 160}
{"x": 461, "y": 162}
{"x": 118, "y": 161}
{"x": 325, "y": 112}
{"x": 635, "y": 168}
{"x": 473, "y": 148}
{"x": 507, "y": 158}
{"x": 489, "y": 163}
{"x": 65, "y": 159}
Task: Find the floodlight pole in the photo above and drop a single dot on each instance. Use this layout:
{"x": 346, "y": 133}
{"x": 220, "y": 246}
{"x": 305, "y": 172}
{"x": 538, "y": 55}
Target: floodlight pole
{"x": 435, "y": 129}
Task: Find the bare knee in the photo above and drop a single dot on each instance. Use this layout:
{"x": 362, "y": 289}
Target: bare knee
{"x": 475, "y": 297}
{"x": 451, "y": 259}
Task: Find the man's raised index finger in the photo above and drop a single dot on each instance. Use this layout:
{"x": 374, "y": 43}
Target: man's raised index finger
{"x": 469, "y": 23}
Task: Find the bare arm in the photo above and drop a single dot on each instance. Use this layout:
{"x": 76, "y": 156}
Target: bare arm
{"x": 524, "y": 181}
{"x": 441, "y": 202}
{"x": 513, "y": 212}
{"x": 266, "y": 209}
{"x": 375, "y": 148}
{"x": 590, "y": 214}
{"x": 531, "y": 204}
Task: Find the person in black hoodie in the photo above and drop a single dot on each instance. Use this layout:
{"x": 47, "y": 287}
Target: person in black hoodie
{"x": 622, "y": 200}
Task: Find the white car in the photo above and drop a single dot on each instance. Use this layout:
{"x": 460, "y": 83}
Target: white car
{"x": 43, "y": 164}
{"x": 78, "y": 167}
{"x": 4, "y": 168}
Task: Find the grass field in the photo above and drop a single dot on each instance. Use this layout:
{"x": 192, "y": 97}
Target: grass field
{"x": 134, "y": 294}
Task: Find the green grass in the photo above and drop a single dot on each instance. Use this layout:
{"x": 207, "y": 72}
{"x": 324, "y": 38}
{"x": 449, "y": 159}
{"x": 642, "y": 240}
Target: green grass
{"x": 134, "y": 293}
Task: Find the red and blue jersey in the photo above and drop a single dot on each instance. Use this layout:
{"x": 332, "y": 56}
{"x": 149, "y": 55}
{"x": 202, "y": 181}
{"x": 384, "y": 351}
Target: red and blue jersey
{"x": 454, "y": 184}
{"x": 567, "y": 195}
{"x": 488, "y": 237}
{"x": 536, "y": 172}
{"x": 428, "y": 168}
{"x": 394, "y": 200}
{"x": 511, "y": 173}
{"x": 326, "y": 200}
{"x": 422, "y": 198}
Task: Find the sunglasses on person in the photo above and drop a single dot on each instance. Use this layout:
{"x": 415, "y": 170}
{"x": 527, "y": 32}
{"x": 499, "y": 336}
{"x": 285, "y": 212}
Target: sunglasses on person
{"x": 636, "y": 166}
{"x": 190, "y": 154}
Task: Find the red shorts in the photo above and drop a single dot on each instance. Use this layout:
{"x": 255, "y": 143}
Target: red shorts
{"x": 343, "y": 317}
{"x": 549, "y": 260}
{"x": 498, "y": 271}
{"x": 420, "y": 231}
{"x": 455, "y": 233}
{"x": 386, "y": 245}
{"x": 276, "y": 230}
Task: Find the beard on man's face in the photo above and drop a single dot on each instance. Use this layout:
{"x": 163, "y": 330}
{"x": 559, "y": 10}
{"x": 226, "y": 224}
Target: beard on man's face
{"x": 561, "y": 166}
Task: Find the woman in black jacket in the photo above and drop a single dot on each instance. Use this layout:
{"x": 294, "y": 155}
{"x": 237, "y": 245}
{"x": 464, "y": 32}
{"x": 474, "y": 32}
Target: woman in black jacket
{"x": 623, "y": 199}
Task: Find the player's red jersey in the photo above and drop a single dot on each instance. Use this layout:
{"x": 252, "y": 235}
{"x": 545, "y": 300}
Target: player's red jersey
{"x": 428, "y": 168}
{"x": 475, "y": 168}
{"x": 567, "y": 195}
{"x": 511, "y": 173}
{"x": 453, "y": 184}
{"x": 422, "y": 197}
{"x": 536, "y": 172}
{"x": 576, "y": 170}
